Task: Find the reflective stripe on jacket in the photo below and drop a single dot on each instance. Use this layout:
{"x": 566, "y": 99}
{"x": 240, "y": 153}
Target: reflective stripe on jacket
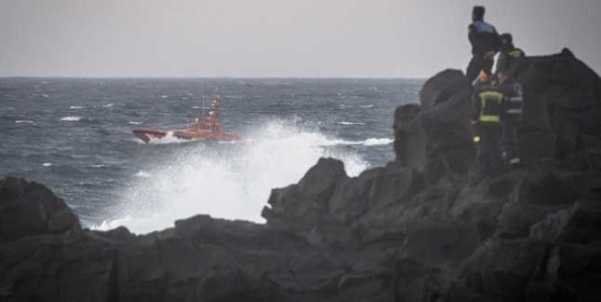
{"x": 491, "y": 106}
{"x": 514, "y": 101}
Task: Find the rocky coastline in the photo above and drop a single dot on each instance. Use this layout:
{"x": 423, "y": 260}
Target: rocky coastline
{"x": 421, "y": 228}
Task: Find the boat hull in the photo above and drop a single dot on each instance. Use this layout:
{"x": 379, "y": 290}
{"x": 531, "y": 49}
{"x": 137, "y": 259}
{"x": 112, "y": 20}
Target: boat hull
{"x": 146, "y": 135}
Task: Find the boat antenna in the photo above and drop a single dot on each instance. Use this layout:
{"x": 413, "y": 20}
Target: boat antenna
{"x": 202, "y": 107}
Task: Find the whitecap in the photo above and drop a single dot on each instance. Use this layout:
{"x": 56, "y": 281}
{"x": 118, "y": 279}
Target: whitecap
{"x": 98, "y": 166}
{"x": 71, "y": 119}
{"x": 24, "y": 122}
{"x": 143, "y": 174}
{"x": 351, "y": 123}
{"x": 134, "y": 123}
{"x": 109, "y": 105}
{"x": 76, "y": 107}
{"x": 367, "y": 106}
{"x": 47, "y": 164}
{"x": 378, "y": 141}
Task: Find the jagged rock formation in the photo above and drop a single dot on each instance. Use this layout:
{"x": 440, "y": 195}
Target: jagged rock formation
{"x": 422, "y": 228}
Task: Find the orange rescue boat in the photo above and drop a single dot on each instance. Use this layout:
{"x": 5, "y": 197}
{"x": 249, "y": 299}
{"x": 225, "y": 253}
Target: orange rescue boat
{"x": 207, "y": 127}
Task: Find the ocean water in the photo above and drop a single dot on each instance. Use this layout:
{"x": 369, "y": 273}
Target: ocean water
{"x": 74, "y": 135}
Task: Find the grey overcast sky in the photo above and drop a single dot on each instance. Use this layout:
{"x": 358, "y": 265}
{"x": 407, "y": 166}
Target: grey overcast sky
{"x": 276, "y": 38}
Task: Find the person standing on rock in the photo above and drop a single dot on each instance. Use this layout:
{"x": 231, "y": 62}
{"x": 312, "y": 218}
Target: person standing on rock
{"x": 487, "y": 102}
{"x": 509, "y": 55}
{"x": 511, "y": 117}
{"x": 485, "y": 44}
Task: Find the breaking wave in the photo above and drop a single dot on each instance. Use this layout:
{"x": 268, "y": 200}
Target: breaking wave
{"x": 71, "y": 119}
{"x": 231, "y": 181}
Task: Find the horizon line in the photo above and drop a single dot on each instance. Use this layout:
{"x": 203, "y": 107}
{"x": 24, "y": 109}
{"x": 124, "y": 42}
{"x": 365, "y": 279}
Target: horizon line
{"x": 219, "y": 77}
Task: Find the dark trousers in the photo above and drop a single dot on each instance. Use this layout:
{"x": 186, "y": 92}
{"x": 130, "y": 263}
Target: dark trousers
{"x": 509, "y": 140}
{"x": 489, "y": 149}
{"x": 477, "y": 63}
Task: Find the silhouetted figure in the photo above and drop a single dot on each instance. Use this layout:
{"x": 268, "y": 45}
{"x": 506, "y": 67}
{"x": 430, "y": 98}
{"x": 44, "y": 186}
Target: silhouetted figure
{"x": 485, "y": 44}
{"x": 509, "y": 56}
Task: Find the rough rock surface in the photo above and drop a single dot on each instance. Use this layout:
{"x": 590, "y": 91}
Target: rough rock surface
{"x": 422, "y": 228}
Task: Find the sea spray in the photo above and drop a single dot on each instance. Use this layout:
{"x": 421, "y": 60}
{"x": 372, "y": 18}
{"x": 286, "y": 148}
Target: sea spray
{"x": 231, "y": 181}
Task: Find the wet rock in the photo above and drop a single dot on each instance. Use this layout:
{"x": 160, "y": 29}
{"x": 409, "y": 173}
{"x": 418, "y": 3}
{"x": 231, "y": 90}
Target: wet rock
{"x": 436, "y": 139}
{"x": 403, "y": 116}
{"x": 580, "y": 224}
{"x": 502, "y": 269}
{"x": 303, "y": 208}
{"x": 306, "y": 203}
{"x": 546, "y": 187}
{"x": 439, "y": 243}
{"x": 563, "y": 104}
{"x": 516, "y": 219}
{"x": 28, "y": 208}
{"x": 442, "y": 86}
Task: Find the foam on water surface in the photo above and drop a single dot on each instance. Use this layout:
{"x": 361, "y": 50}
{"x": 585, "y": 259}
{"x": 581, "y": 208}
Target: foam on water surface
{"x": 227, "y": 181}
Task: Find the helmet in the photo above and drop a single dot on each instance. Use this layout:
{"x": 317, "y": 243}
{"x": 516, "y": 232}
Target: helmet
{"x": 506, "y": 39}
{"x": 478, "y": 13}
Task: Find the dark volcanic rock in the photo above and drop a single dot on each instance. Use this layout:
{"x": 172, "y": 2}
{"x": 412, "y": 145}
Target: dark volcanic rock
{"x": 563, "y": 108}
{"x": 421, "y": 228}
{"x": 28, "y": 208}
{"x": 437, "y": 139}
{"x": 441, "y": 87}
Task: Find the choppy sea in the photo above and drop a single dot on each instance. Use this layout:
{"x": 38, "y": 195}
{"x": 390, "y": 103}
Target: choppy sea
{"x": 74, "y": 135}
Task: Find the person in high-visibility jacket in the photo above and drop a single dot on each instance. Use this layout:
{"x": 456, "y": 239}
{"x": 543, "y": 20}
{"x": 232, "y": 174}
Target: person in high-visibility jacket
{"x": 487, "y": 103}
{"x": 511, "y": 117}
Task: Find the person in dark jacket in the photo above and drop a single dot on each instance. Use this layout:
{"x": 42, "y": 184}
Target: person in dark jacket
{"x": 509, "y": 55}
{"x": 511, "y": 117}
{"x": 485, "y": 44}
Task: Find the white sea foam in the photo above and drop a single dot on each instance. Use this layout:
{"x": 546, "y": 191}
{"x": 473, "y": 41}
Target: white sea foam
{"x": 351, "y": 123}
{"x": 234, "y": 183}
{"x": 47, "y": 165}
{"x": 134, "y": 123}
{"x": 71, "y": 119}
{"x": 378, "y": 141}
{"x": 76, "y": 107}
{"x": 24, "y": 122}
{"x": 367, "y": 142}
{"x": 167, "y": 139}
{"x": 143, "y": 174}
